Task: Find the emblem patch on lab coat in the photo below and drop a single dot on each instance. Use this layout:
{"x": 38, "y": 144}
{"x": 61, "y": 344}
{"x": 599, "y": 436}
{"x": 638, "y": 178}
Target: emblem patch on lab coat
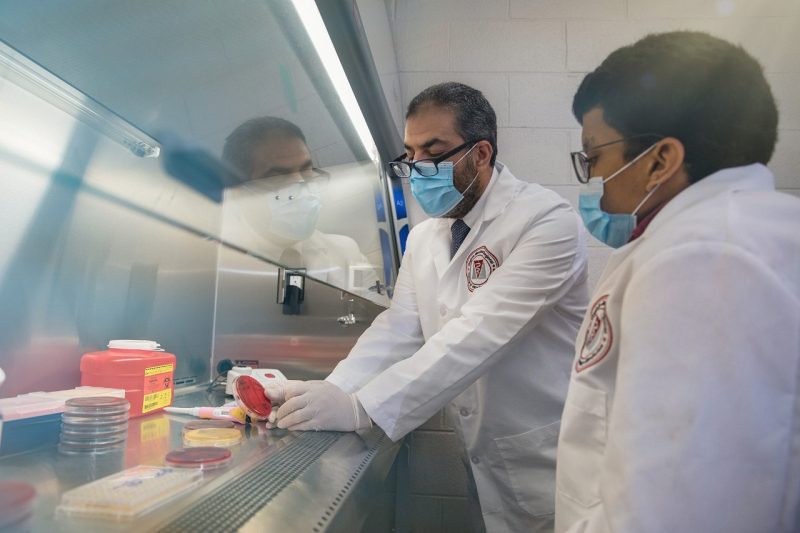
{"x": 479, "y": 266}
{"x": 598, "y": 338}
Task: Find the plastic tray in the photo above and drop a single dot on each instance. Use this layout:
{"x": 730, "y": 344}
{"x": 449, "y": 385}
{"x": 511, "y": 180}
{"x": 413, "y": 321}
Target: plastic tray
{"x": 130, "y": 493}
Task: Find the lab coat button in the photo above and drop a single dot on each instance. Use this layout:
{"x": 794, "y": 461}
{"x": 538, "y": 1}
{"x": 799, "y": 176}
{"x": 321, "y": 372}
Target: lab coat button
{"x": 464, "y": 411}
{"x": 475, "y": 460}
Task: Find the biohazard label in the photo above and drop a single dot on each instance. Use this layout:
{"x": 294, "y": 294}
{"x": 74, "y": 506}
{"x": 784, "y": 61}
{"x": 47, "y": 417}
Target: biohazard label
{"x": 160, "y": 369}
{"x": 157, "y": 387}
{"x": 479, "y": 266}
{"x": 598, "y": 337}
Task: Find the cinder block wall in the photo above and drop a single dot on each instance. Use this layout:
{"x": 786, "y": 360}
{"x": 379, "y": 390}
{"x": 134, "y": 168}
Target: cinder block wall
{"x": 528, "y": 57}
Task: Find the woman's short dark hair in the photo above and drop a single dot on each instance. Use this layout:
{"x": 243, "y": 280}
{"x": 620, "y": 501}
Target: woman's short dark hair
{"x": 240, "y": 143}
{"x": 475, "y": 118}
{"x": 704, "y": 91}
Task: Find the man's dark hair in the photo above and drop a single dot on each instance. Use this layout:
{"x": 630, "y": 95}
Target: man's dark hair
{"x": 475, "y": 118}
{"x": 240, "y": 143}
{"x": 704, "y": 91}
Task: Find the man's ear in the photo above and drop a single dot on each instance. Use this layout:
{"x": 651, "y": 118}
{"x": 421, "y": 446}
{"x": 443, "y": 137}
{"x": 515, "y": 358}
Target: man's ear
{"x": 666, "y": 162}
{"x": 484, "y": 154}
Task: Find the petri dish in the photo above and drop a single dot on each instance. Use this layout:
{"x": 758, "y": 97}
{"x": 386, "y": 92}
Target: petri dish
{"x": 87, "y": 431}
{"x": 73, "y": 449}
{"x": 212, "y": 437}
{"x": 94, "y": 420}
{"x": 250, "y": 396}
{"x": 97, "y": 405}
{"x": 202, "y": 457}
{"x": 208, "y": 424}
{"x": 93, "y": 440}
{"x": 16, "y": 499}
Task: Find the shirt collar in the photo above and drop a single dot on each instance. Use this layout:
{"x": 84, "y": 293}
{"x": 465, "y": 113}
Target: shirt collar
{"x": 642, "y": 225}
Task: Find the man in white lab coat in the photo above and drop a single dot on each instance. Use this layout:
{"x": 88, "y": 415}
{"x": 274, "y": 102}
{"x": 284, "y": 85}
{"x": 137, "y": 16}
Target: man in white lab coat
{"x": 274, "y": 212}
{"x": 683, "y": 413}
{"x": 483, "y": 320}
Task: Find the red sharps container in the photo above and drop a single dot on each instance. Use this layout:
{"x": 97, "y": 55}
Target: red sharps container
{"x": 140, "y": 367}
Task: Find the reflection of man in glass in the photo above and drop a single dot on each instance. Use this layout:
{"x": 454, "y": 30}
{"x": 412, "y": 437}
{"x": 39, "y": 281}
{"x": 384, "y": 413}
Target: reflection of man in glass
{"x": 275, "y": 212}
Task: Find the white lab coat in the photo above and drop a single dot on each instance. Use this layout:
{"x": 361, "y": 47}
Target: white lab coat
{"x": 491, "y": 333}
{"x": 683, "y": 412}
{"x": 327, "y": 257}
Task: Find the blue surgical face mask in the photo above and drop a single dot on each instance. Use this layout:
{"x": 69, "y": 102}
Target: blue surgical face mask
{"x": 437, "y": 194}
{"x": 611, "y": 228}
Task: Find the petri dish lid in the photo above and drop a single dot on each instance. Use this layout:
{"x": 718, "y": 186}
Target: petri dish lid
{"x": 212, "y": 437}
{"x": 202, "y": 457}
{"x": 89, "y": 441}
{"x": 16, "y": 498}
{"x": 208, "y": 424}
{"x": 97, "y": 405}
{"x": 89, "y": 431}
{"x": 71, "y": 449}
{"x": 250, "y": 396}
{"x": 90, "y": 420}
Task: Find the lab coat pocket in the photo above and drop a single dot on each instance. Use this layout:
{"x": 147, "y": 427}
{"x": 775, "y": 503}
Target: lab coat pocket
{"x": 583, "y": 441}
{"x": 530, "y": 461}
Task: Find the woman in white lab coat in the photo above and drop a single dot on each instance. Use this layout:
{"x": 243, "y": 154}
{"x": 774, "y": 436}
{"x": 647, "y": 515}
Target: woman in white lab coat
{"x": 683, "y": 411}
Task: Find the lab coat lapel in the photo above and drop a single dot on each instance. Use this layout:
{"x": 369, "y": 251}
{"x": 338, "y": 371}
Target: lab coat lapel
{"x": 498, "y": 197}
{"x": 440, "y": 248}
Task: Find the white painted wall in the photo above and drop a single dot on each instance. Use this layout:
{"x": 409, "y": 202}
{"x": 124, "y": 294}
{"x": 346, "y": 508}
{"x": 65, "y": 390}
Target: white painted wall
{"x": 528, "y": 57}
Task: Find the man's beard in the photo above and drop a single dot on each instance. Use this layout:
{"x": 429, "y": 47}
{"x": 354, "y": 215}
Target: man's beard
{"x": 462, "y": 178}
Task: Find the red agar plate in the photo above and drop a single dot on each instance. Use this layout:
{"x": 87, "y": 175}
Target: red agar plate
{"x": 250, "y": 395}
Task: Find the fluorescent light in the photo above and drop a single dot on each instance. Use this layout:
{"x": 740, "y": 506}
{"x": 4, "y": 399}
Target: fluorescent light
{"x": 315, "y": 28}
{"x": 29, "y": 75}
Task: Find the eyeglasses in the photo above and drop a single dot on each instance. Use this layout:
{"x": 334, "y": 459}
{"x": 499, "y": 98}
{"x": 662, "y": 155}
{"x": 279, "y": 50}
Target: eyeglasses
{"x": 582, "y": 163}
{"x": 402, "y": 168}
{"x": 286, "y": 187}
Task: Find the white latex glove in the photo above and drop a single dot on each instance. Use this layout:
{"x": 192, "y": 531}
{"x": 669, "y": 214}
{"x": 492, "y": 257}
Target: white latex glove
{"x": 276, "y": 392}
{"x": 320, "y": 406}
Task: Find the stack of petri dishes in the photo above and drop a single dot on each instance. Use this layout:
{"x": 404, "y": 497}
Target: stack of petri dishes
{"x": 94, "y": 425}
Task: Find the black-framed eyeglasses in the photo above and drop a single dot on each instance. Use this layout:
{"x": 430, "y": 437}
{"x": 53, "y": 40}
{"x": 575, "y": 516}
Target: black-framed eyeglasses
{"x": 582, "y": 162}
{"x": 402, "y": 168}
{"x": 315, "y": 179}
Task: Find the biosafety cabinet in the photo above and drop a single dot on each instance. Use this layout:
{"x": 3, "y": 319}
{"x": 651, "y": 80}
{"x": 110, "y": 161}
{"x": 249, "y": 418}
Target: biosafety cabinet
{"x": 208, "y": 175}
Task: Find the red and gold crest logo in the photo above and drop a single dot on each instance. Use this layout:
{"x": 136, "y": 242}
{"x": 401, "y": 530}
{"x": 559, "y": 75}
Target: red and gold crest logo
{"x": 479, "y": 266}
{"x": 598, "y": 337}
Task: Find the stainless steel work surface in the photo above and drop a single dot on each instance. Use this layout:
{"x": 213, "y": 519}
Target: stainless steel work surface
{"x": 278, "y": 480}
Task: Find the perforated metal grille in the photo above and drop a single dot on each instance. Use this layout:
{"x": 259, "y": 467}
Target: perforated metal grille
{"x": 348, "y": 486}
{"x": 235, "y": 502}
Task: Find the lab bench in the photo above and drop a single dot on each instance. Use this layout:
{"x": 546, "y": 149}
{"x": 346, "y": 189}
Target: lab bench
{"x": 277, "y": 481}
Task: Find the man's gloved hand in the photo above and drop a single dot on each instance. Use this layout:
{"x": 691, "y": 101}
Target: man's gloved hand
{"x": 320, "y": 406}
{"x": 276, "y": 392}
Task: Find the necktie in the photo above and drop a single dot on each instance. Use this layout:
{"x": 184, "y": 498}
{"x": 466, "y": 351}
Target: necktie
{"x": 458, "y": 231}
